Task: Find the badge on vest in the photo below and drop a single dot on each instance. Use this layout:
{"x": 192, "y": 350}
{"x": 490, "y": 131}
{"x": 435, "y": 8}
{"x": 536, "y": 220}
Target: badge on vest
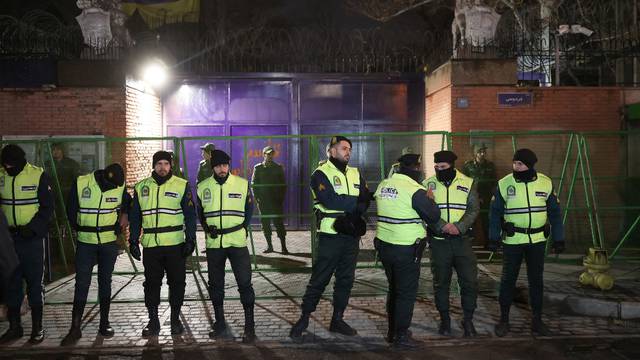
{"x": 111, "y": 199}
{"x": 86, "y": 193}
{"x": 431, "y": 185}
{"x": 206, "y": 196}
{"x": 511, "y": 190}
{"x": 541, "y": 194}
{"x": 388, "y": 193}
{"x": 235, "y": 196}
{"x": 336, "y": 182}
{"x": 145, "y": 191}
{"x": 29, "y": 188}
{"x": 171, "y": 194}
{"x": 357, "y": 186}
{"x": 462, "y": 188}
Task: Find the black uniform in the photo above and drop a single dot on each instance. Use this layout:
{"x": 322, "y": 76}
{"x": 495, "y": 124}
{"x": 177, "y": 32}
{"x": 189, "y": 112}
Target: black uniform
{"x": 269, "y": 190}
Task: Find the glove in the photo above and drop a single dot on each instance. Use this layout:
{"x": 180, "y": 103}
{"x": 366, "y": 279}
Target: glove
{"x": 493, "y": 245}
{"x": 558, "y": 247}
{"x": 509, "y": 228}
{"x": 187, "y": 248}
{"x": 134, "y": 249}
{"x": 343, "y": 225}
{"x": 359, "y": 225}
{"x": 25, "y": 232}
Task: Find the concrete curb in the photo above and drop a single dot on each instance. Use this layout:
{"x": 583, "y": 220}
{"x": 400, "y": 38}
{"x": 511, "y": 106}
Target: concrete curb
{"x": 624, "y": 310}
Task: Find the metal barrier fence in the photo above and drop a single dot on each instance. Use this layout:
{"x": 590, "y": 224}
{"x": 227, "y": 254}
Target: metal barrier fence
{"x": 593, "y": 174}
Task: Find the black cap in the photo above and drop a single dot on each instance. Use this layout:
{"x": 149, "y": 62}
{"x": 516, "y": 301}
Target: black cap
{"x": 336, "y": 139}
{"x": 445, "y": 156}
{"x": 114, "y": 174}
{"x": 161, "y": 155}
{"x": 12, "y": 155}
{"x": 410, "y": 160}
{"x": 527, "y": 157}
{"x": 219, "y": 157}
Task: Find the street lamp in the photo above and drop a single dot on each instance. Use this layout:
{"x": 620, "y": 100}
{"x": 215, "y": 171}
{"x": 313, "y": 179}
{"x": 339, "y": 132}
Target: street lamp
{"x": 155, "y": 73}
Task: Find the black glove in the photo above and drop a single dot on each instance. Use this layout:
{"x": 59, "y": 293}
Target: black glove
{"x": 134, "y": 250}
{"x": 343, "y": 225}
{"x": 493, "y": 245}
{"x": 25, "y": 232}
{"x": 359, "y": 225}
{"x": 187, "y": 248}
{"x": 558, "y": 247}
{"x": 509, "y": 228}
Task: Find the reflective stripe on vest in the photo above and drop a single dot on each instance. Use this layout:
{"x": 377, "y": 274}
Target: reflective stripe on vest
{"x": 398, "y": 223}
{"x": 19, "y": 194}
{"x": 98, "y": 211}
{"x": 452, "y": 199}
{"x": 162, "y": 218}
{"x": 342, "y": 184}
{"x": 525, "y": 205}
{"x": 223, "y": 207}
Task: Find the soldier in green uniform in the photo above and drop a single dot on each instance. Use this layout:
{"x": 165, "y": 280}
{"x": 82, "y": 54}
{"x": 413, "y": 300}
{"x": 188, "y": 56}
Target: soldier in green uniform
{"x": 175, "y": 165}
{"x": 269, "y": 189}
{"x": 483, "y": 173}
{"x": 396, "y": 166}
{"x": 204, "y": 168}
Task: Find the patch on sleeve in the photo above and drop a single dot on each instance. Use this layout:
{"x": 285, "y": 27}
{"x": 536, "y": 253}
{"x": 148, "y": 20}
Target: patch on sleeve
{"x": 321, "y": 187}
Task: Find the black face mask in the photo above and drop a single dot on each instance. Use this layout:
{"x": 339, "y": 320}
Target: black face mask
{"x": 446, "y": 175}
{"x": 161, "y": 179}
{"x": 416, "y": 175}
{"x": 17, "y": 168}
{"x": 342, "y": 166}
{"x": 524, "y": 176}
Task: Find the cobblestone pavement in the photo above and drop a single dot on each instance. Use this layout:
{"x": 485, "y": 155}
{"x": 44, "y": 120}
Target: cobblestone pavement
{"x": 278, "y": 302}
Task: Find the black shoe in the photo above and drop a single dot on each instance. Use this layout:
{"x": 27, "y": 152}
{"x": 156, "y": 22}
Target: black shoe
{"x": 300, "y": 326}
{"x": 153, "y": 326}
{"x": 502, "y": 328}
{"x": 176, "y": 327}
{"x": 469, "y": 329}
{"x": 406, "y": 342}
{"x": 445, "y": 326}
{"x": 285, "y": 251}
{"x": 105, "y": 328}
{"x": 72, "y": 336}
{"x": 339, "y": 326}
{"x": 249, "y": 336}
{"x": 75, "y": 332}
{"x": 15, "y": 329}
{"x": 539, "y": 327}
{"x": 37, "y": 332}
{"x": 219, "y": 330}
{"x": 268, "y": 251}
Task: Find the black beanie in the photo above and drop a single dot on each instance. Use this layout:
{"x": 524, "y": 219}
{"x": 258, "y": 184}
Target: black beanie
{"x": 527, "y": 157}
{"x": 409, "y": 160}
{"x": 161, "y": 155}
{"x": 13, "y": 155}
{"x": 114, "y": 174}
{"x": 444, "y": 156}
{"x": 219, "y": 157}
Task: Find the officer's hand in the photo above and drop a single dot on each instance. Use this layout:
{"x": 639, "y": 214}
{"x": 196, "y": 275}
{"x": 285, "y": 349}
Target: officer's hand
{"x": 187, "y": 248}
{"x": 124, "y": 221}
{"x": 451, "y": 229}
{"x": 430, "y": 194}
{"x": 493, "y": 245}
{"x": 134, "y": 249}
{"x": 558, "y": 247}
{"x": 25, "y": 232}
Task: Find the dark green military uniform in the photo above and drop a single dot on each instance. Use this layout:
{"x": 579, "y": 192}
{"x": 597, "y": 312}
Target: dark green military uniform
{"x": 269, "y": 190}
{"x": 204, "y": 170}
{"x": 484, "y": 174}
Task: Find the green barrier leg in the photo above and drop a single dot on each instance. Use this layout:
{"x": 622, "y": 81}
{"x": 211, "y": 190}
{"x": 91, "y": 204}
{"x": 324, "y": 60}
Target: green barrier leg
{"x": 593, "y": 190}
{"x": 624, "y": 238}
{"x": 64, "y": 209}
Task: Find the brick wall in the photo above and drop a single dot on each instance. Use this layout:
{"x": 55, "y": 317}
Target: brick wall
{"x": 438, "y": 112}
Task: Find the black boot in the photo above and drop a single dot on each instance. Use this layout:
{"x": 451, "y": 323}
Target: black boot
{"x": 300, "y": 326}
{"x": 284, "y": 246}
{"x": 75, "y": 332}
{"x": 269, "y": 246}
{"x": 37, "y": 332}
{"x": 502, "y": 328}
{"x": 391, "y": 333}
{"x": 153, "y": 326}
{"x": 340, "y": 326}
{"x": 539, "y": 327}
{"x": 15, "y": 329}
{"x": 220, "y": 326}
{"x": 176, "y": 325}
{"x": 469, "y": 329}
{"x": 404, "y": 341}
{"x": 249, "y": 336}
{"x": 445, "y": 324}
{"x": 105, "y": 328}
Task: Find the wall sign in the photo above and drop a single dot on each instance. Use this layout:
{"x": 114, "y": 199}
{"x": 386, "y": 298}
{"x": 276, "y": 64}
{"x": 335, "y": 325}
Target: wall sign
{"x": 515, "y": 99}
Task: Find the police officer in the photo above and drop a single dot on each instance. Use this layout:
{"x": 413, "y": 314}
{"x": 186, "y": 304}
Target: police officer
{"x": 457, "y": 198}
{"x": 27, "y": 202}
{"x": 225, "y": 207}
{"x": 396, "y": 166}
{"x": 340, "y": 198}
{"x": 96, "y": 209}
{"x": 269, "y": 189}
{"x": 403, "y": 204}
{"x": 522, "y": 204}
{"x": 163, "y": 208}
{"x": 204, "y": 168}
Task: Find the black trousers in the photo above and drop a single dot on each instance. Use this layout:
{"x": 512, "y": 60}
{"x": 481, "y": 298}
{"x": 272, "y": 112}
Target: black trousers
{"x": 403, "y": 275}
{"x": 87, "y": 256}
{"x": 446, "y": 255}
{"x": 533, "y": 254}
{"x": 241, "y": 266}
{"x": 336, "y": 254}
{"x": 30, "y": 269}
{"x": 158, "y": 260}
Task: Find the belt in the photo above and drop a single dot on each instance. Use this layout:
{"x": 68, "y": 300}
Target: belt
{"x": 164, "y": 229}
{"x": 96, "y": 229}
{"x": 529, "y": 230}
{"x": 229, "y": 230}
